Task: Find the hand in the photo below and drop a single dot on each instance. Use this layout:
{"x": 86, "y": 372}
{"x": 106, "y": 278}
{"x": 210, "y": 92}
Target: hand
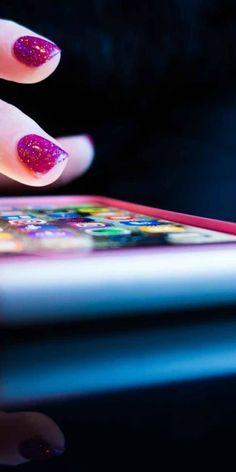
{"x": 27, "y": 153}
{"x": 29, "y": 156}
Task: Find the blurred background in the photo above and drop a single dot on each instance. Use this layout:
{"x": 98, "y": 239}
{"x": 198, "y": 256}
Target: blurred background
{"x": 154, "y": 84}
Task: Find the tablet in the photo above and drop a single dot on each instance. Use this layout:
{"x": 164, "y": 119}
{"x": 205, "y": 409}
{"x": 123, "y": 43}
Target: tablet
{"x": 81, "y": 257}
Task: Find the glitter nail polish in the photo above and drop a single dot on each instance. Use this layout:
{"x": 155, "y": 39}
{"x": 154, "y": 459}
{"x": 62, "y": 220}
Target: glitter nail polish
{"x": 34, "y": 51}
{"x": 39, "y": 154}
{"x": 36, "y": 449}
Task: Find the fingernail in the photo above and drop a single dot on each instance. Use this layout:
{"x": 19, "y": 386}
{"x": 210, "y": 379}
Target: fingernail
{"x": 34, "y": 51}
{"x": 39, "y": 154}
{"x": 36, "y": 449}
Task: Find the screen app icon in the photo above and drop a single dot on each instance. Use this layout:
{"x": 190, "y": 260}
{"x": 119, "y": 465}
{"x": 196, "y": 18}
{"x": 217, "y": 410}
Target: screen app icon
{"x": 5, "y": 236}
{"x": 75, "y": 220}
{"x": 94, "y": 210}
{"x": 162, "y": 228}
{"x": 47, "y": 233}
{"x": 88, "y": 224}
{"x": 110, "y": 231}
{"x": 139, "y": 222}
{"x": 63, "y": 215}
{"x": 28, "y": 221}
{"x": 120, "y": 217}
{"x": 17, "y": 217}
{"x": 29, "y": 228}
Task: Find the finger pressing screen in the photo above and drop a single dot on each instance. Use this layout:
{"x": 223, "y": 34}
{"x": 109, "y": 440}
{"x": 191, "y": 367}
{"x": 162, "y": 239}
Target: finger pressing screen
{"x": 25, "y": 57}
{"x": 28, "y": 436}
{"x": 28, "y": 154}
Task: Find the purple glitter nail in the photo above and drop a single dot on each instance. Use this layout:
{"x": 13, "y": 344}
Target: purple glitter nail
{"x": 34, "y": 51}
{"x": 39, "y": 154}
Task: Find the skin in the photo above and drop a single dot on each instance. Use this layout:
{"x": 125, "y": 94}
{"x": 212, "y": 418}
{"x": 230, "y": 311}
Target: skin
{"x": 18, "y": 427}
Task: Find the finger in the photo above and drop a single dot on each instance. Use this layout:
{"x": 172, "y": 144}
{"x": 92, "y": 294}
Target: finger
{"x": 25, "y": 57}
{"x": 81, "y": 153}
{"x": 28, "y": 154}
{"x": 28, "y": 436}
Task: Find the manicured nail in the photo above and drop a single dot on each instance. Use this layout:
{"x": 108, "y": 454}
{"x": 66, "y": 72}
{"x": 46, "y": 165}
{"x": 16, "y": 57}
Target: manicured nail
{"x": 39, "y": 154}
{"x": 36, "y": 449}
{"x": 34, "y": 51}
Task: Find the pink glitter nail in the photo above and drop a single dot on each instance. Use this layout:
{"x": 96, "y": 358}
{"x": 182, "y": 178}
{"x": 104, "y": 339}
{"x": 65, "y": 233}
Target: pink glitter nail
{"x": 39, "y": 154}
{"x": 34, "y": 51}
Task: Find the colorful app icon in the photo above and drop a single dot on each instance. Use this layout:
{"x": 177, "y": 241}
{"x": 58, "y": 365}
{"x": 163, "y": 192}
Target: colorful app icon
{"x": 5, "y": 236}
{"x": 47, "y": 233}
{"x": 140, "y": 222}
{"x": 17, "y": 217}
{"x": 94, "y": 210}
{"x": 28, "y": 221}
{"x": 36, "y": 221}
{"x": 120, "y": 217}
{"x": 29, "y": 228}
{"x": 17, "y": 222}
{"x": 69, "y": 221}
{"x": 129, "y": 239}
{"x": 162, "y": 228}
{"x": 63, "y": 215}
{"x": 109, "y": 231}
{"x": 88, "y": 224}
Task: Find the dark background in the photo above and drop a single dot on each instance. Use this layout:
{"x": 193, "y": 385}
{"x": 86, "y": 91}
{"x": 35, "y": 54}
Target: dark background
{"x": 154, "y": 83}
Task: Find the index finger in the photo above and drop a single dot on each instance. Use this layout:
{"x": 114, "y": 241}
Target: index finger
{"x": 25, "y": 57}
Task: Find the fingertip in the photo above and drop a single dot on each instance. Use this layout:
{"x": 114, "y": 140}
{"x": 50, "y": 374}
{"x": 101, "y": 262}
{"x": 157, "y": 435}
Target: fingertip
{"x": 81, "y": 150}
{"x": 27, "y": 153}
{"x": 33, "y": 76}
{"x": 25, "y": 57}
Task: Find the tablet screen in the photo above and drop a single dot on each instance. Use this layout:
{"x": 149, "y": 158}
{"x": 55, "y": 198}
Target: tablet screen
{"x": 36, "y": 229}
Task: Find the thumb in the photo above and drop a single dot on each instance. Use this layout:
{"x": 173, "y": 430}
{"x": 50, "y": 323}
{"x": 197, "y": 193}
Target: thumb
{"x": 28, "y": 436}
